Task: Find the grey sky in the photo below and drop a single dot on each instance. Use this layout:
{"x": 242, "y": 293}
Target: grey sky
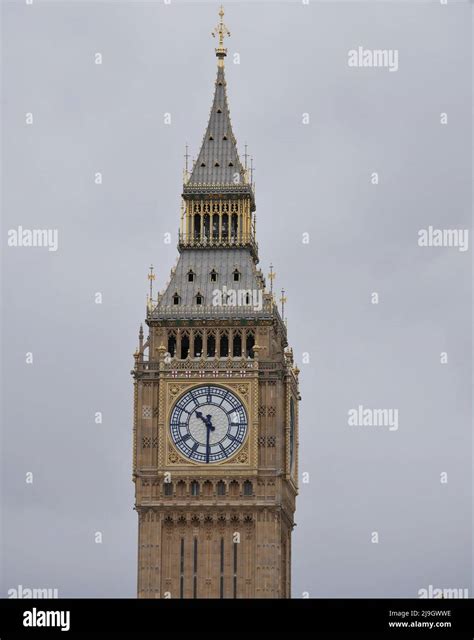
{"x": 312, "y": 178}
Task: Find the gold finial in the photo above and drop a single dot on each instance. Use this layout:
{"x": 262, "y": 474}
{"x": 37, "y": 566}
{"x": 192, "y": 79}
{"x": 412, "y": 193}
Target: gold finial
{"x": 271, "y": 276}
{"x": 151, "y": 277}
{"x": 222, "y": 31}
{"x": 283, "y": 300}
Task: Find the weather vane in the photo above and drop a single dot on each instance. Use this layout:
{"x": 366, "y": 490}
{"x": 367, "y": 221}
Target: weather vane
{"x": 222, "y": 31}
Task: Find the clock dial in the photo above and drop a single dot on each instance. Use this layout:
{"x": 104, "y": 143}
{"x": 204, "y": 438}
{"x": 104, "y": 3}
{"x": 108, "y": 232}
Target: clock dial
{"x": 208, "y": 424}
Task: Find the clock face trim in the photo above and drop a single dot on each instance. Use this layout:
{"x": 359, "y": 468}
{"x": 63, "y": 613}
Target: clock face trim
{"x": 208, "y": 424}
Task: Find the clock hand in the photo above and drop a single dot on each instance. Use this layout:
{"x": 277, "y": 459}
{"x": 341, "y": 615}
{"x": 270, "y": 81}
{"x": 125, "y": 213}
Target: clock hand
{"x": 199, "y": 415}
{"x": 208, "y": 445}
{"x": 210, "y": 428}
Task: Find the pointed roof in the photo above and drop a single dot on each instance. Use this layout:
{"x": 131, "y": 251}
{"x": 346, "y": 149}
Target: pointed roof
{"x": 218, "y": 169}
{"x": 218, "y": 162}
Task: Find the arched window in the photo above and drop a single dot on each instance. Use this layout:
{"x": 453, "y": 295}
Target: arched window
{"x": 250, "y": 343}
{"x": 234, "y": 488}
{"x": 181, "y": 489}
{"x": 194, "y": 488}
{"x": 176, "y": 298}
{"x": 184, "y": 346}
{"x": 207, "y": 488}
{"x": 224, "y": 346}
{"x": 236, "y": 275}
{"x": 197, "y": 225}
{"x": 172, "y": 344}
{"x": 199, "y": 298}
{"x": 221, "y": 488}
{"x": 234, "y": 226}
{"x": 225, "y": 226}
{"x": 191, "y": 275}
{"x": 213, "y": 276}
{"x": 197, "y": 345}
{"x": 247, "y": 298}
{"x": 215, "y": 226}
{"x": 237, "y": 346}
{"x": 248, "y": 488}
{"x": 211, "y": 346}
{"x": 207, "y": 225}
{"x": 168, "y": 488}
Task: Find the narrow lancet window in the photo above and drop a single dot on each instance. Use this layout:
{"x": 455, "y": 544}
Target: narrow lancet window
{"x": 181, "y": 569}
{"x": 195, "y": 565}
{"x": 221, "y": 589}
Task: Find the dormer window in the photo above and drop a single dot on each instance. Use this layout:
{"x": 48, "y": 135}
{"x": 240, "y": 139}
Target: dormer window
{"x": 203, "y": 164}
{"x": 191, "y": 275}
{"x": 219, "y": 110}
{"x": 176, "y": 298}
{"x": 224, "y": 138}
{"x": 213, "y": 275}
{"x": 216, "y": 164}
{"x": 231, "y": 164}
{"x": 236, "y": 275}
{"x": 199, "y": 298}
{"x": 211, "y": 138}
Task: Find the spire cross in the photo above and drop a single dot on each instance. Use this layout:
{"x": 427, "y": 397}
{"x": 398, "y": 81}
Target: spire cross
{"x": 151, "y": 277}
{"x": 222, "y": 31}
{"x": 252, "y": 169}
{"x": 283, "y": 300}
{"x": 246, "y": 155}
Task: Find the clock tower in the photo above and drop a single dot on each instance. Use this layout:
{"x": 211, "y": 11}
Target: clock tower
{"x": 215, "y": 433}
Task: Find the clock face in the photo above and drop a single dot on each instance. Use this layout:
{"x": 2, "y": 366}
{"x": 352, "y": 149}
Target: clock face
{"x": 208, "y": 424}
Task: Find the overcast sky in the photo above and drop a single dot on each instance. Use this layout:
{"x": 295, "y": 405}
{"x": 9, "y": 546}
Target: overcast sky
{"x": 312, "y": 178}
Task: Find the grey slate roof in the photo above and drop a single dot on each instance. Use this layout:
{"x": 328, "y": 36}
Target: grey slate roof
{"x": 216, "y": 150}
{"x": 202, "y": 262}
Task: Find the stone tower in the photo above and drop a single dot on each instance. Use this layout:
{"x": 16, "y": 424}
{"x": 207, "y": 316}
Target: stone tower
{"x": 215, "y": 456}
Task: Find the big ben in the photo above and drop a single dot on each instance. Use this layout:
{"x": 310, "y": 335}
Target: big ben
{"x": 215, "y": 434}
